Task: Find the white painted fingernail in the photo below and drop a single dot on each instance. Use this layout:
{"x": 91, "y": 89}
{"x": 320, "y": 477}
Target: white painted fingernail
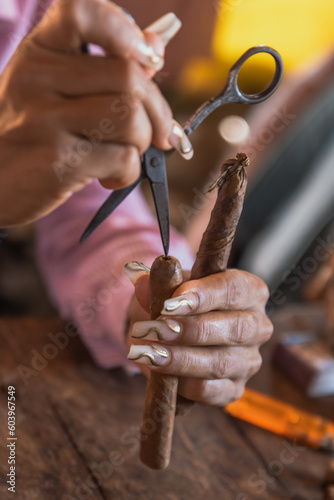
{"x": 185, "y": 304}
{"x": 163, "y": 330}
{"x": 134, "y": 270}
{"x": 166, "y": 27}
{"x": 149, "y": 354}
{"x": 180, "y": 141}
{"x": 146, "y": 55}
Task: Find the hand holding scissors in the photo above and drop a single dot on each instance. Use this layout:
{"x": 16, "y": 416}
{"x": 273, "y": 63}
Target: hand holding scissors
{"x": 153, "y": 162}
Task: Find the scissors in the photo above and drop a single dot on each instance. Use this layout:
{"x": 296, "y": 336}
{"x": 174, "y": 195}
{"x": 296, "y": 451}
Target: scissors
{"x": 153, "y": 161}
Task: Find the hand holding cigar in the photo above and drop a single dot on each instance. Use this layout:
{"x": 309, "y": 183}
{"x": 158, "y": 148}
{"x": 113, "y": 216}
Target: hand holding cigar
{"x": 209, "y": 332}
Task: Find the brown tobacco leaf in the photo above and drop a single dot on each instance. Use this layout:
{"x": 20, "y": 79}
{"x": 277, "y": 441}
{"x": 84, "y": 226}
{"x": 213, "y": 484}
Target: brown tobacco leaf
{"x": 215, "y": 247}
{"x": 230, "y": 167}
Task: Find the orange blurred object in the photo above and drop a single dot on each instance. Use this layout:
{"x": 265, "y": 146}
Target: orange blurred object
{"x": 283, "y": 419}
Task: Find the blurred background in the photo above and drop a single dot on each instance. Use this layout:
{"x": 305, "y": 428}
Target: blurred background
{"x": 289, "y": 138}
{"x": 301, "y": 31}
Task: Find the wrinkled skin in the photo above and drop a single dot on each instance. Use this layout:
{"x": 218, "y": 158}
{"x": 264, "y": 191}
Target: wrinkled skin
{"x": 52, "y": 96}
{"x": 218, "y": 348}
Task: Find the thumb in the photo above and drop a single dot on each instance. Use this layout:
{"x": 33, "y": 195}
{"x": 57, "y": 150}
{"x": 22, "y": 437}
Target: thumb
{"x": 69, "y": 24}
{"x": 142, "y": 291}
{"x": 139, "y": 275}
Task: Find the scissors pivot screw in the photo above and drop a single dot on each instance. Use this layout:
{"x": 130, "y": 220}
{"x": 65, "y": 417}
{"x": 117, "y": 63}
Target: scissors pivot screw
{"x": 155, "y": 162}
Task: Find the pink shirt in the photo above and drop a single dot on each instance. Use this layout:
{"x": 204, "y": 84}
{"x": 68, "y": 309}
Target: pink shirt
{"x": 87, "y": 282}
{"x": 17, "y": 18}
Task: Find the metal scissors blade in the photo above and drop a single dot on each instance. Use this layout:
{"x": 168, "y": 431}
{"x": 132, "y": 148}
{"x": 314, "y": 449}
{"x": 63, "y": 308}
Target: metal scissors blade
{"x": 154, "y": 168}
{"x": 154, "y": 160}
{"x": 108, "y": 207}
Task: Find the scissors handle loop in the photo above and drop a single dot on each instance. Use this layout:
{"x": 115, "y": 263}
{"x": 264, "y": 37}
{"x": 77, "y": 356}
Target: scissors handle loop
{"x": 232, "y": 81}
{"x": 231, "y": 93}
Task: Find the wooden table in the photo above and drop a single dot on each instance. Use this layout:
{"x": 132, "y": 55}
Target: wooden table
{"x": 77, "y": 431}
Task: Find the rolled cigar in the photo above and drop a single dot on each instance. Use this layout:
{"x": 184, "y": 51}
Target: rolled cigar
{"x": 160, "y": 403}
{"x": 211, "y": 258}
{"x": 216, "y": 243}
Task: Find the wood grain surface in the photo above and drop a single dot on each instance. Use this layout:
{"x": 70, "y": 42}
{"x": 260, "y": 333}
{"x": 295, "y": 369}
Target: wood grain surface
{"x": 78, "y": 430}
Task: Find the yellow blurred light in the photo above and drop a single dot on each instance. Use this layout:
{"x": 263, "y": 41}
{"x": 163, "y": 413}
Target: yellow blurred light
{"x": 300, "y": 30}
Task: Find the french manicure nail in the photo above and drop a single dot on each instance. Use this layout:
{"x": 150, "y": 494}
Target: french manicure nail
{"x": 166, "y": 27}
{"x": 180, "y": 141}
{"x": 162, "y": 330}
{"x": 185, "y": 304}
{"x": 134, "y": 270}
{"x": 146, "y": 55}
{"x": 149, "y": 354}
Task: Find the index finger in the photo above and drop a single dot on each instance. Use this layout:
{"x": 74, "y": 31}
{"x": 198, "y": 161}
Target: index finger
{"x": 69, "y": 24}
{"x": 228, "y": 290}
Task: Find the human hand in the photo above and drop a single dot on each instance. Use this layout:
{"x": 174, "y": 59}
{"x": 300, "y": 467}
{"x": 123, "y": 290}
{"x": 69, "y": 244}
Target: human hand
{"x": 209, "y": 335}
{"x": 68, "y": 117}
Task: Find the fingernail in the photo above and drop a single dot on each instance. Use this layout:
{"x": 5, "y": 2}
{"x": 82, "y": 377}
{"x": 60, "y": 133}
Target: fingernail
{"x": 149, "y": 355}
{"x": 184, "y": 304}
{"x": 134, "y": 270}
{"x": 180, "y": 141}
{"x": 146, "y": 55}
{"x": 166, "y": 27}
{"x": 162, "y": 330}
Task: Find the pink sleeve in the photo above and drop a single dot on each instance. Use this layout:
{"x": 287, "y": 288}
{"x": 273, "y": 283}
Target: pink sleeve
{"x": 87, "y": 282}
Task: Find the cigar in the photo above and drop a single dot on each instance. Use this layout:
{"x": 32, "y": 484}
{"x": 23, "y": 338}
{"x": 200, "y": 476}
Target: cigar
{"x": 165, "y": 277}
{"x": 216, "y": 244}
{"x": 161, "y": 392}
